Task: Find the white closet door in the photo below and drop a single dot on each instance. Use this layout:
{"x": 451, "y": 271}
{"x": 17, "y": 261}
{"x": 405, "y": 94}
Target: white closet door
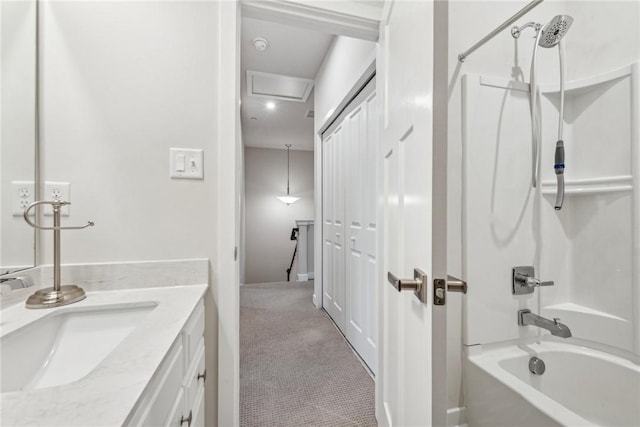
{"x": 349, "y": 197}
{"x": 327, "y": 223}
{"x": 334, "y": 292}
{"x": 362, "y": 304}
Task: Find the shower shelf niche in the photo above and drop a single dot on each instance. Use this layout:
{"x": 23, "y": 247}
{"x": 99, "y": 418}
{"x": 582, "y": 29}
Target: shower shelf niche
{"x": 599, "y": 159}
{"x": 592, "y": 246}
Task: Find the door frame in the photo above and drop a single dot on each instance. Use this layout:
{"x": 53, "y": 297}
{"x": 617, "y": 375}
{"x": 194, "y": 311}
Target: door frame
{"x": 340, "y": 18}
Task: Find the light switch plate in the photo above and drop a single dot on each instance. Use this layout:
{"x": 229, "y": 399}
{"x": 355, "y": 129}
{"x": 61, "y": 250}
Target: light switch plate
{"x": 186, "y": 163}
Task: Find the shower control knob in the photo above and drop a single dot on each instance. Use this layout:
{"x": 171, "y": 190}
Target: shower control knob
{"x": 523, "y": 280}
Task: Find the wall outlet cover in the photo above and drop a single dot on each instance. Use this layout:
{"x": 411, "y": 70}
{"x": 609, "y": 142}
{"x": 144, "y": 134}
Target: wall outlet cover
{"x": 22, "y": 195}
{"x": 57, "y": 191}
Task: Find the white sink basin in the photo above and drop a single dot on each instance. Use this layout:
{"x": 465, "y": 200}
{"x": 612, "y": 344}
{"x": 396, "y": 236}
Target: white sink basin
{"x": 66, "y": 345}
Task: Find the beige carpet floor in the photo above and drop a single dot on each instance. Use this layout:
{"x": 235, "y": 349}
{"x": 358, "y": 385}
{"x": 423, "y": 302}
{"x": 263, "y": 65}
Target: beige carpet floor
{"x": 295, "y": 367}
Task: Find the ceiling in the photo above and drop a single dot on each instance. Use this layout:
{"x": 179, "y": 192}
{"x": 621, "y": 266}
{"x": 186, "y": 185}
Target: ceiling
{"x": 292, "y": 52}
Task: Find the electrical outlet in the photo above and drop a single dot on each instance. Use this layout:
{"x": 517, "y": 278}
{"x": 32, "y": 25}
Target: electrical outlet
{"x": 57, "y": 191}
{"x": 23, "y": 194}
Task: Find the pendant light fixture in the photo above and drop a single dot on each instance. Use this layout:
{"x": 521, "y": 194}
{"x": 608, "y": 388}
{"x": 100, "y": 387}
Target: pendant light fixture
{"x": 288, "y": 199}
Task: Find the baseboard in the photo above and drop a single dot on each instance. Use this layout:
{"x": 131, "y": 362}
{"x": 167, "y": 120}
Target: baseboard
{"x": 456, "y": 417}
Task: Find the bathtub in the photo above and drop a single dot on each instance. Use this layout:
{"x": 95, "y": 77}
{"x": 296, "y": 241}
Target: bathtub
{"x": 580, "y": 387}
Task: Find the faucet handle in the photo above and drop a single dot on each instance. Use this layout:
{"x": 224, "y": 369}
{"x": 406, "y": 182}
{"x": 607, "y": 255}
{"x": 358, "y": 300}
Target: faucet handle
{"x": 524, "y": 280}
{"x": 556, "y": 320}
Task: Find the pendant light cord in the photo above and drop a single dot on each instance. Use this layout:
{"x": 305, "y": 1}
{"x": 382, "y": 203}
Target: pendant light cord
{"x": 288, "y": 146}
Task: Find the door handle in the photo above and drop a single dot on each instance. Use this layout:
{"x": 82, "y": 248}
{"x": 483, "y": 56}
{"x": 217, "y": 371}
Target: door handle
{"x": 442, "y": 286}
{"x": 418, "y": 284}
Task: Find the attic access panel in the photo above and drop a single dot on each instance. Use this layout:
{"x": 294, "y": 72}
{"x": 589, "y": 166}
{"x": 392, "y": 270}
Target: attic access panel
{"x": 278, "y": 86}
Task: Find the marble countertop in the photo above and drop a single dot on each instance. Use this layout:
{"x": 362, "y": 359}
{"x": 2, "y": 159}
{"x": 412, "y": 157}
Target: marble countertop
{"x": 105, "y": 396}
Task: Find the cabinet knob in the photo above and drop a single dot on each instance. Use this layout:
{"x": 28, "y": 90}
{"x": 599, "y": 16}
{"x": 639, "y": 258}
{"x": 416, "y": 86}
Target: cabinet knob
{"x": 187, "y": 420}
{"x": 202, "y": 376}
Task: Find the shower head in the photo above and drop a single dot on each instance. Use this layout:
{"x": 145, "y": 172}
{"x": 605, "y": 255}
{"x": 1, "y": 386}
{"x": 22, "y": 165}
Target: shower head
{"x": 555, "y": 30}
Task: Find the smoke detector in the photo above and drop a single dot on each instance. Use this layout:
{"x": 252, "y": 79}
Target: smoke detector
{"x": 261, "y": 44}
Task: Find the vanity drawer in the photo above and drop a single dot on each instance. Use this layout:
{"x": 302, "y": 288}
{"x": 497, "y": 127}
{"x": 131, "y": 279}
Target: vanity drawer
{"x": 198, "y": 409}
{"x": 193, "y": 331}
{"x": 176, "y": 413}
{"x": 165, "y": 389}
{"x": 192, "y": 383}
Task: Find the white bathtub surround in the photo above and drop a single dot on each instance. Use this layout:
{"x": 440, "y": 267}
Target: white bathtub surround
{"x": 499, "y": 227}
{"x": 598, "y": 295}
{"x": 107, "y": 394}
{"x": 117, "y": 275}
{"x": 596, "y": 292}
{"x": 580, "y": 386}
{"x": 589, "y": 249}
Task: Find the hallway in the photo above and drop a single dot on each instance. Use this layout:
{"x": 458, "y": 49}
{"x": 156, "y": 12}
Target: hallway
{"x": 295, "y": 367}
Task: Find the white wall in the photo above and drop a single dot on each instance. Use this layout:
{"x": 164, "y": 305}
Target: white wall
{"x": 345, "y": 62}
{"x": 604, "y": 36}
{"x": 121, "y": 83}
{"x": 268, "y": 221}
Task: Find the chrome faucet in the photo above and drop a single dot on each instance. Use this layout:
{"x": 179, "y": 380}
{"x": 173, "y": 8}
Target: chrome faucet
{"x": 15, "y": 283}
{"x": 526, "y": 317}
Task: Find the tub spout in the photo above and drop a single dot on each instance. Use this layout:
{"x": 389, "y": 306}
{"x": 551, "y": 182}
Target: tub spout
{"x": 526, "y": 317}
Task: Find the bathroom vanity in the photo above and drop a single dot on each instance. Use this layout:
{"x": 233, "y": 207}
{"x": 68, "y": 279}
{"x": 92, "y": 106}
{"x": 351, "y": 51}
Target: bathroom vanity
{"x": 125, "y": 357}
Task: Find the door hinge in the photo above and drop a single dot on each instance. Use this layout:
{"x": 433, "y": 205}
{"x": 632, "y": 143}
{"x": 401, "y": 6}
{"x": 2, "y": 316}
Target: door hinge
{"x": 442, "y": 286}
{"x": 235, "y": 253}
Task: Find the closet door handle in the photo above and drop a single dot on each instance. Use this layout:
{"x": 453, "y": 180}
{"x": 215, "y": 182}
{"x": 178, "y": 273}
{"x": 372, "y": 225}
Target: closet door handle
{"x": 202, "y": 376}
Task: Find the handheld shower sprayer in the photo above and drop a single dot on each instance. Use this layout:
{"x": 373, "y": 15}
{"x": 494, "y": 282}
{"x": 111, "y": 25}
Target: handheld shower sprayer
{"x": 547, "y": 36}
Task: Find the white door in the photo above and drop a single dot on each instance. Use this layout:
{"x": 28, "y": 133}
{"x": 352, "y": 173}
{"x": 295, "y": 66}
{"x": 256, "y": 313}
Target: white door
{"x": 333, "y": 290}
{"x": 350, "y": 223}
{"x": 362, "y": 306}
{"x": 411, "y": 382}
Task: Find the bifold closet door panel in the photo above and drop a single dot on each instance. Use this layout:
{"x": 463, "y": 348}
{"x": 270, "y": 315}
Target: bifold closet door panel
{"x": 327, "y": 222}
{"x": 361, "y": 219}
{"x": 350, "y": 224}
{"x": 340, "y": 143}
{"x": 334, "y": 292}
